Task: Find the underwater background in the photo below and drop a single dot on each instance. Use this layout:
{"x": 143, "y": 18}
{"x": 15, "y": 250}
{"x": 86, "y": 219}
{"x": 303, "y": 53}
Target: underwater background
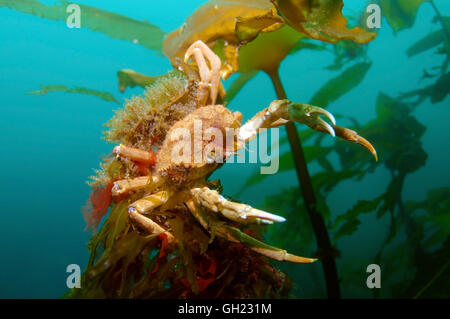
{"x": 52, "y": 143}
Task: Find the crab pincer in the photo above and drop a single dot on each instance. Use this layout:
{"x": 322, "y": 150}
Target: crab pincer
{"x": 281, "y": 112}
{"x": 310, "y": 115}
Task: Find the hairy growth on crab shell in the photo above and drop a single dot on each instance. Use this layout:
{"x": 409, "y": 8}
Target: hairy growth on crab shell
{"x": 144, "y": 122}
{"x": 147, "y": 118}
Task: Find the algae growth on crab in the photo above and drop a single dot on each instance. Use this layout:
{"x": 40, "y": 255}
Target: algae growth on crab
{"x": 361, "y": 176}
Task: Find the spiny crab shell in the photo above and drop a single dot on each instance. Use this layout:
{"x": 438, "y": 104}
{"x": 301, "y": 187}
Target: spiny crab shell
{"x": 196, "y": 164}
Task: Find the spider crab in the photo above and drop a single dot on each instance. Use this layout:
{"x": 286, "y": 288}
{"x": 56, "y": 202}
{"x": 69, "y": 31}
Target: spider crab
{"x": 171, "y": 182}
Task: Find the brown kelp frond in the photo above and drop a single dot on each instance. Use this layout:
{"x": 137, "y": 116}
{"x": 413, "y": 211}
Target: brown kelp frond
{"x": 239, "y": 30}
{"x": 128, "y": 264}
{"x": 147, "y": 117}
{"x": 400, "y": 14}
{"x": 225, "y": 26}
{"x": 130, "y": 78}
{"x": 108, "y": 97}
{"x": 321, "y": 20}
{"x": 108, "y": 23}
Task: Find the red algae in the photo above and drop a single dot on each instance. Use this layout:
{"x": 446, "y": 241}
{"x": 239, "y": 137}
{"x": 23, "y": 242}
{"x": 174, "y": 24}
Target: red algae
{"x": 97, "y": 206}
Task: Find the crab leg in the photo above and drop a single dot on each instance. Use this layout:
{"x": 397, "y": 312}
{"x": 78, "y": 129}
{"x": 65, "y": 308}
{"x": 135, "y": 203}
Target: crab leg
{"x": 280, "y": 112}
{"x": 149, "y": 225}
{"x": 235, "y": 235}
{"x": 210, "y": 78}
{"x": 124, "y": 186}
{"x": 234, "y": 211}
{"x": 135, "y": 154}
{"x": 147, "y": 204}
{"x": 144, "y": 205}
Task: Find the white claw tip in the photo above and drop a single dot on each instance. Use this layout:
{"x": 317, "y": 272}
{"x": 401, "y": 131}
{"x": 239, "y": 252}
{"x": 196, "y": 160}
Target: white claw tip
{"x": 116, "y": 189}
{"x": 332, "y": 133}
{"x": 278, "y": 219}
{"x": 329, "y": 128}
{"x": 332, "y": 119}
{"x": 116, "y": 150}
{"x": 282, "y": 220}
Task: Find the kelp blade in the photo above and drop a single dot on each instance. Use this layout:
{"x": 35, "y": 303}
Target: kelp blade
{"x": 111, "y": 24}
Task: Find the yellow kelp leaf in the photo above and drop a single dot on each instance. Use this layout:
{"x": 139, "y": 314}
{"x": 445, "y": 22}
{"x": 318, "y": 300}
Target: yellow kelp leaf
{"x": 223, "y": 25}
{"x": 400, "y": 14}
{"x": 268, "y": 50}
{"x": 111, "y": 24}
{"x": 265, "y": 53}
{"x": 250, "y": 35}
{"x": 321, "y": 20}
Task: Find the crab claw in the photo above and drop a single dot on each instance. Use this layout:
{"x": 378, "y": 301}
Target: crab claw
{"x": 281, "y": 112}
{"x": 310, "y": 115}
{"x": 235, "y": 235}
{"x": 353, "y": 136}
{"x": 238, "y": 212}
